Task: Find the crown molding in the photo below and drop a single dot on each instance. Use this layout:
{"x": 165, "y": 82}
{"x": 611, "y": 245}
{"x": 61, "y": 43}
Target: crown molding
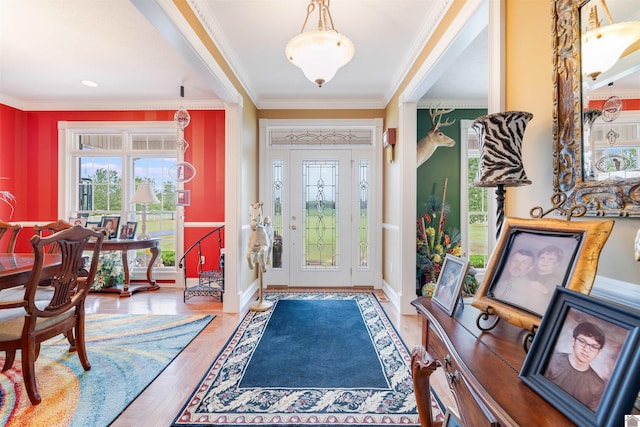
{"x": 332, "y": 104}
{"x": 110, "y": 106}
{"x": 429, "y": 26}
{"x": 454, "y": 103}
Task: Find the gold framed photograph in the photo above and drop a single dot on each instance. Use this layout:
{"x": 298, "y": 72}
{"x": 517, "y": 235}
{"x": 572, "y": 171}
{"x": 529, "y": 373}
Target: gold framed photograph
{"x": 532, "y": 258}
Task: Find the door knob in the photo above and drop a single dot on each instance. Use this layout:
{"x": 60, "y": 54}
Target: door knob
{"x": 293, "y": 227}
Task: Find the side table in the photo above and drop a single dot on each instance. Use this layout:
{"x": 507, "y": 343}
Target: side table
{"x": 124, "y": 245}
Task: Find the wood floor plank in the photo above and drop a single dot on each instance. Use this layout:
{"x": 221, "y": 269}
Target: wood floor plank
{"x": 163, "y": 399}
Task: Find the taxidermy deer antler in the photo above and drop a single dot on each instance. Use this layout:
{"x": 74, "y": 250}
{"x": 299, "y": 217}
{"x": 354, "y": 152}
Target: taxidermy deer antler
{"x": 434, "y": 138}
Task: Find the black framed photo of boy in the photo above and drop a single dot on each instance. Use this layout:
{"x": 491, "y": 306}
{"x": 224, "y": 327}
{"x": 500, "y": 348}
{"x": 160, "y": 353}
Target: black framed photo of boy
{"x": 585, "y": 358}
{"x": 531, "y": 259}
{"x": 452, "y": 274}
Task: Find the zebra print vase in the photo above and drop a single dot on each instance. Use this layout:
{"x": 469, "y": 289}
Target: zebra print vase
{"x": 500, "y": 136}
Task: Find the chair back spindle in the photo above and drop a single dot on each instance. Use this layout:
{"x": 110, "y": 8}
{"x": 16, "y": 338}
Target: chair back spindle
{"x": 12, "y": 230}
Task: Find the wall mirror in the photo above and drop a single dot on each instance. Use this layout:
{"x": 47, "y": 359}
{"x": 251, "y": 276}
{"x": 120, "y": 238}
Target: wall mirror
{"x": 596, "y": 126}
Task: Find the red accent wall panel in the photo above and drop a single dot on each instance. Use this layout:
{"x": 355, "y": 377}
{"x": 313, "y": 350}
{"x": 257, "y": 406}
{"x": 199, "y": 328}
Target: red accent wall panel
{"x": 210, "y": 249}
{"x": 29, "y": 159}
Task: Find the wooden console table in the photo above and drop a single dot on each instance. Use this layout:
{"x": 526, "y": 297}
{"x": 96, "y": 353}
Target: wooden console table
{"x": 127, "y": 289}
{"x": 482, "y": 369}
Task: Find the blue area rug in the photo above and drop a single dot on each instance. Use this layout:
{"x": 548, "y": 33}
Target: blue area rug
{"x": 127, "y": 352}
{"x": 313, "y": 359}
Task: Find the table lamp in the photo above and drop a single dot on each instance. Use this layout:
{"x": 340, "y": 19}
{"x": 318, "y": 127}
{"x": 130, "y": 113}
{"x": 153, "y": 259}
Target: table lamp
{"x": 500, "y": 136}
{"x": 144, "y": 195}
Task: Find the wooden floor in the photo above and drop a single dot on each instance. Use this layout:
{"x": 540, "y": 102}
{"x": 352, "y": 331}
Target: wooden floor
{"x": 162, "y": 400}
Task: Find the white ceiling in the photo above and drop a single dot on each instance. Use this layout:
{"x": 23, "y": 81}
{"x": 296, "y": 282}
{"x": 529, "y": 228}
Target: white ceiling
{"x": 48, "y": 46}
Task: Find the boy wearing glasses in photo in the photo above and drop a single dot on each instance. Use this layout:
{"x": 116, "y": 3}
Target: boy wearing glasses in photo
{"x": 573, "y": 371}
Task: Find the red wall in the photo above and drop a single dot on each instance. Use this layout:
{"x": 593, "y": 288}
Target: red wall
{"x": 627, "y": 104}
{"x": 29, "y": 159}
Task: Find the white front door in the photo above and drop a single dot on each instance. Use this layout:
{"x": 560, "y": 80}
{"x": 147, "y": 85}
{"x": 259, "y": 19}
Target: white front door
{"x": 320, "y": 189}
{"x": 320, "y": 218}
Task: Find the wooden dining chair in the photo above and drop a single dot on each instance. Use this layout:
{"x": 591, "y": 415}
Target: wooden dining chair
{"x": 13, "y": 230}
{"x": 51, "y": 228}
{"x": 25, "y": 324}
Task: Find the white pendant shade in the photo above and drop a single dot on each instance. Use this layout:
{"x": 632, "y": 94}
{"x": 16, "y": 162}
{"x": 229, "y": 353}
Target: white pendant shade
{"x": 319, "y": 54}
{"x": 603, "y": 46}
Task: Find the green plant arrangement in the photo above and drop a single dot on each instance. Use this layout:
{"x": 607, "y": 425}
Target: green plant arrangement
{"x": 110, "y": 271}
{"x": 434, "y": 241}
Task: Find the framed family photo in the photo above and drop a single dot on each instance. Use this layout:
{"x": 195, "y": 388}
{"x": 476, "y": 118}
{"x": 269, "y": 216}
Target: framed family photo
{"x": 532, "y": 258}
{"x": 78, "y": 221}
{"x": 585, "y": 358}
{"x": 452, "y": 275}
{"x": 128, "y": 230}
{"x": 110, "y": 225}
{"x": 183, "y": 198}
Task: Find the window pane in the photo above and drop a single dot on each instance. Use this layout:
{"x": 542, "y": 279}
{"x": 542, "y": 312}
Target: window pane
{"x": 100, "y": 184}
{"x": 320, "y": 231}
{"x": 90, "y": 142}
{"x": 153, "y": 142}
{"x": 478, "y": 215}
{"x": 363, "y": 225}
{"x": 160, "y": 218}
{"x": 277, "y": 192}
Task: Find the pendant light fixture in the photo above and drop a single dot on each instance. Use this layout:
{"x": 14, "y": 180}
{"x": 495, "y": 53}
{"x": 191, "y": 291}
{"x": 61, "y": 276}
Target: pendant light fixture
{"x": 602, "y": 46}
{"x": 319, "y": 53}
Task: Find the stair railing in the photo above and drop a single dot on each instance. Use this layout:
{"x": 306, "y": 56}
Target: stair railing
{"x": 198, "y": 244}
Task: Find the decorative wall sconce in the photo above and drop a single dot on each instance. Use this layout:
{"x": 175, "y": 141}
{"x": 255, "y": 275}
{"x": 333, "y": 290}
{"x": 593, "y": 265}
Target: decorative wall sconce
{"x": 389, "y": 142}
{"x": 500, "y": 137}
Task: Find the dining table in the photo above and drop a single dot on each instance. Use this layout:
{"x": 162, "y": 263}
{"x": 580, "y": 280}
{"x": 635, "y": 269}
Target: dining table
{"x": 15, "y": 268}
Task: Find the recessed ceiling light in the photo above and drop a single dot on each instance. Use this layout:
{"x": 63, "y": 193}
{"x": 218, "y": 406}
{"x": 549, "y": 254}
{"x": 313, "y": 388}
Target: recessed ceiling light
{"x": 90, "y": 83}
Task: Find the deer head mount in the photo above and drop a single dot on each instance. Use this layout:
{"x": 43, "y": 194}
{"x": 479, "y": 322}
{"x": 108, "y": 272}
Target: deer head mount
{"x": 434, "y": 138}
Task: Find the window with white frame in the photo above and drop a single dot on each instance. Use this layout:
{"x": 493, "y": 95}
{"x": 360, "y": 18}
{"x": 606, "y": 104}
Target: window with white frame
{"x": 477, "y": 207}
{"x": 105, "y": 164}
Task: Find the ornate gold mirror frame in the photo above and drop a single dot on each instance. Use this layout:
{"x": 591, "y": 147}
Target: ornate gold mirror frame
{"x": 620, "y": 197}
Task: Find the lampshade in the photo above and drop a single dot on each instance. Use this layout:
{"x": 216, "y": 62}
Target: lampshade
{"x": 500, "y": 137}
{"x": 603, "y": 46}
{"x": 144, "y": 195}
{"x": 322, "y": 52}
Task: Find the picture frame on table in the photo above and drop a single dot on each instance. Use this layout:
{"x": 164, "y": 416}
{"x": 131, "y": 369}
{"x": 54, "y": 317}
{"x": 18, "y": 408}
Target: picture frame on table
{"x": 111, "y": 225}
{"x": 78, "y": 221}
{"x": 92, "y": 225}
{"x": 183, "y": 198}
{"x": 533, "y": 257}
{"x": 451, "y": 419}
{"x": 450, "y": 280}
{"x": 600, "y": 337}
{"x": 128, "y": 230}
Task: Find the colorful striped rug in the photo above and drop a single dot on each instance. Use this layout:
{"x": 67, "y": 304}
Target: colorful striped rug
{"x": 314, "y": 359}
{"x": 127, "y": 352}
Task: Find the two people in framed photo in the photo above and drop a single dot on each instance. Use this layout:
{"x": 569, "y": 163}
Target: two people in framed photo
{"x": 530, "y": 277}
{"x": 128, "y": 230}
